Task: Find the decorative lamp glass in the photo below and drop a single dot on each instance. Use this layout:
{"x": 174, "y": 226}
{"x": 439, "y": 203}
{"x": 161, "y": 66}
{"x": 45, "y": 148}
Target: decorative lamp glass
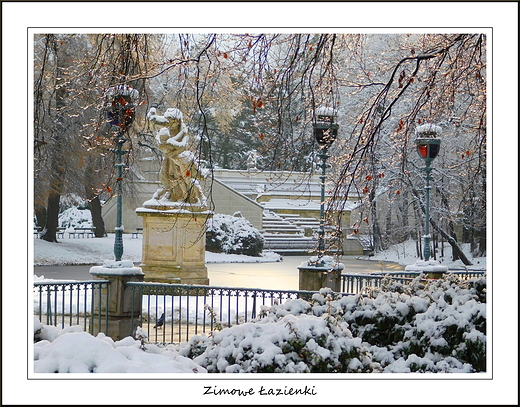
{"x": 427, "y": 143}
{"x": 325, "y": 127}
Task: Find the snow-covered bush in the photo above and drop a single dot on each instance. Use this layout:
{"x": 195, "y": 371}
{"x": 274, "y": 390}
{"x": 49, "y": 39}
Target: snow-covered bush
{"x": 427, "y": 326}
{"x": 233, "y": 235}
{"x": 74, "y": 217}
{"x": 281, "y": 344}
{"x": 72, "y": 200}
{"x": 432, "y": 326}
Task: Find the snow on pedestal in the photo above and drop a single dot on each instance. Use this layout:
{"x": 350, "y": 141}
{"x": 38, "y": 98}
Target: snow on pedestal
{"x": 165, "y": 205}
{"x": 319, "y": 272}
{"x": 431, "y": 267}
{"x": 326, "y": 262}
{"x": 116, "y": 306}
{"x": 116, "y": 268}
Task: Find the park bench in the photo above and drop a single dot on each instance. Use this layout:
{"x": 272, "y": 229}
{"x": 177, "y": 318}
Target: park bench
{"x": 37, "y": 231}
{"x": 60, "y": 232}
{"x": 82, "y": 232}
{"x": 138, "y": 231}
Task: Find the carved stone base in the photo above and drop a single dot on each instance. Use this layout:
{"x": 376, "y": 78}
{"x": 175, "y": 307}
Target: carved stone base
{"x": 174, "y": 242}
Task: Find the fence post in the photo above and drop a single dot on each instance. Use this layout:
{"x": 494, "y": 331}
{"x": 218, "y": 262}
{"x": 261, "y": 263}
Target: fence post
{"x": 118, "y": 299}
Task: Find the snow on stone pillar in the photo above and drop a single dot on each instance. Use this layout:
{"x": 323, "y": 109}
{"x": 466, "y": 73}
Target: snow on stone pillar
{"x": 122, "y": 304}
{"x": 320, "y": 272}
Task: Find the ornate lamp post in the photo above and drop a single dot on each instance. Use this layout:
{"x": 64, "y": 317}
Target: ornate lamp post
{"x": 119, "y": 109}
{"x": 428, "y": 146}
{"x": 325, "y": 132}
{"x": 321, "y": 271}
{"x": 120, "y": 114}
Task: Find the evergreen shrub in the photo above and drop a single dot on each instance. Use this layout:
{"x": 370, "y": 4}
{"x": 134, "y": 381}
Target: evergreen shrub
{"x": 233, "y": 235}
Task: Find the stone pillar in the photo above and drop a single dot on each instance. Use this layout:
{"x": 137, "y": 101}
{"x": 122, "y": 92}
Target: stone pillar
{"x": 319, "y": 273}
{"x": 119, "y": 300}
{"x": 174, "y": 244}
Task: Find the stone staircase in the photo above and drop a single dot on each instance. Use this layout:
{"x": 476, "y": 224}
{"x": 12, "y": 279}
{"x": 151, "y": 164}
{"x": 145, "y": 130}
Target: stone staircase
{"x": 288, "y": 233}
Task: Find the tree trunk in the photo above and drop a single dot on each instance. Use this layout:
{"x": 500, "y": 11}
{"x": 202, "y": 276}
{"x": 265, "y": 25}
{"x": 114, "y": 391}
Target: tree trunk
{"x": 482, "y": 242}
{"x": 418, "y": 228}
{"x": 451, "y": 227}
{"x": 376, "y": 231}
{"x": 51, "y": 225}
{"x": 453, "y": 243}
{"x": 59, "y": 132}
{"x": 403, "y": 218}
{"x": 41, "y": 215}
{"x": 97, "y": 220}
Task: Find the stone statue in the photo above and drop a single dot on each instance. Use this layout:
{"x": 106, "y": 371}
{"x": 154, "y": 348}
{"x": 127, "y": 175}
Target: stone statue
{"x": 179, "y": 172}
{"x": 252, "y": 160}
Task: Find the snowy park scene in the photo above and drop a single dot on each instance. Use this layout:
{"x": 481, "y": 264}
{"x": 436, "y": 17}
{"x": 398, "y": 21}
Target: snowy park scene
{"x": 258, "y": 214}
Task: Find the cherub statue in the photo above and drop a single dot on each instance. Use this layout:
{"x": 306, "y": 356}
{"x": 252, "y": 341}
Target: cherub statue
{"x": 179, "y": 172}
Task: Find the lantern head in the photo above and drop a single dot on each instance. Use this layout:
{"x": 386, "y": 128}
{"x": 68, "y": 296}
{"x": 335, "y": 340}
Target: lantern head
{"x": 325, "y": 128}
{"x": 428, "y": 145}
{"x": 120, "y": 105}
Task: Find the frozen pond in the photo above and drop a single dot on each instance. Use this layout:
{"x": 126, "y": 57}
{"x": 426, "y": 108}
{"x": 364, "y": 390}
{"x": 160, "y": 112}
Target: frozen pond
{"x": 276, "y": 276}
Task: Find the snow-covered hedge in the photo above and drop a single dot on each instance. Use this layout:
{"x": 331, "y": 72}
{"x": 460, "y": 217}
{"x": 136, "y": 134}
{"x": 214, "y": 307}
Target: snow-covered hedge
{"x": 437, "y": 326}
{"x": 233, "y": 235}
{"x": 432, "y": 326}
{"x": 281, "y": 344}
{"x": 75, "y": 218}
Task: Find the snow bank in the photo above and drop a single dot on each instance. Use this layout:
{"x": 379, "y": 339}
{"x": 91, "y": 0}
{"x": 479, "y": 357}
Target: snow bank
{"x": 70, "y": 350}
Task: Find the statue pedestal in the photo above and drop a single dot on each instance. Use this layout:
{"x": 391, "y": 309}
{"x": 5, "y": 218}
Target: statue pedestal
{"x": 174, "y": 242}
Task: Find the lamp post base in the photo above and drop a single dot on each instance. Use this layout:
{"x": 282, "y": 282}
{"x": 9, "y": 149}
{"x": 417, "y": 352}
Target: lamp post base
{"x": 320, "y": 272}
{"x": 432, "y": 268}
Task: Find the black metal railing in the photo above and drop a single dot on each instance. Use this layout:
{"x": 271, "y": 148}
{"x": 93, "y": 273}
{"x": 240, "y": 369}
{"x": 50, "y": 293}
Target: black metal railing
{"x": 358, "y": 283}
{"x": 188, "y": 309}
{"x": 68, "y": 303}
{"x": 195, "y": 309}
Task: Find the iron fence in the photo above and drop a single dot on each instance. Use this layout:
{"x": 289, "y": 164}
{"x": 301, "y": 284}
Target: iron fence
{"x": 186, "y": 310}
{"x": 189, "y": 310}
{"x": 67, "y": 303}
{"x": 359, "y": 283}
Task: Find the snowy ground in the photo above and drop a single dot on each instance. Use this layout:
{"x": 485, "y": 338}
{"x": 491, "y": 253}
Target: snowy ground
{"x": 405, "y": 254}
{"x": 93, "y": 250}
